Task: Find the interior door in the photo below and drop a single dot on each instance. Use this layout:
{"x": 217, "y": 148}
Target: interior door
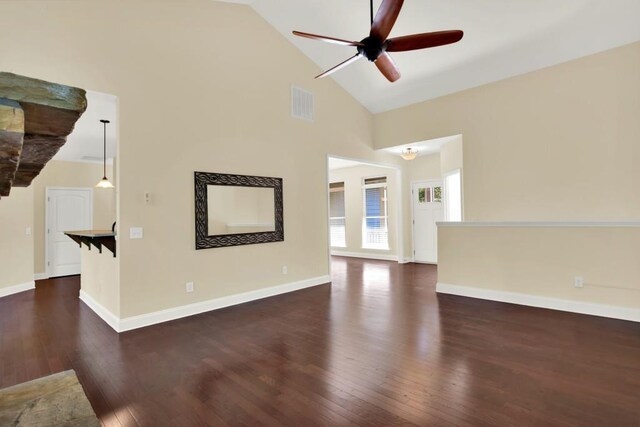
{"x": 68, "y": 209}
{"x": 427, "y": 208}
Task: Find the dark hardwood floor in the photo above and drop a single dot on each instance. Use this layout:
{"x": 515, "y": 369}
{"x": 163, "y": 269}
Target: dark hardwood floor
{"x": 378, "y": 347}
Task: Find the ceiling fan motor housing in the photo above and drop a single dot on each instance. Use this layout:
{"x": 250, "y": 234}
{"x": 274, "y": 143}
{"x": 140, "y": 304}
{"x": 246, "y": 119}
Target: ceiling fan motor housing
{"x": 371, "y": 48}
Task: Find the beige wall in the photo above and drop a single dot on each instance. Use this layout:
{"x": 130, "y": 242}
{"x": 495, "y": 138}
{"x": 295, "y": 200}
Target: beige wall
{"x": 422, "y": 168}
{"x": 556, "y": 144}
{"x": 559, "y": 144}
{"x": 544, "y": 261}
{"x": 537, "y": 146}
{"x": 451, "y": 156}
{"x": 190, "y": 100}
{"x": 352, "y": 178}
{"x": 70, "y": 174}
{"x": 16, "y": 247}
{"x": 99, "y": 274}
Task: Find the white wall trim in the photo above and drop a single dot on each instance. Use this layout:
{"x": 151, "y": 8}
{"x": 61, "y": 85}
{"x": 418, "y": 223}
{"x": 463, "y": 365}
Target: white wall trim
{"x": 40, "y": 276}
{"x": 381, "y": 256}
{"x": 148, "y": 319}
{"x": 543, "y": 224}
{"x": 10, "y": 290}
{"x": 134, "y": 322}
{"x": 102, "y": 312}
{"x": 614, "y": 312}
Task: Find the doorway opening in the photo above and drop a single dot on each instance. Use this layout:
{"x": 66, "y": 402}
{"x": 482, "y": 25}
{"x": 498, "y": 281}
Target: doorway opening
{"x": 364, "y": 209}
{"x": 433, "y": 191}
{"x": 66, "y": 197}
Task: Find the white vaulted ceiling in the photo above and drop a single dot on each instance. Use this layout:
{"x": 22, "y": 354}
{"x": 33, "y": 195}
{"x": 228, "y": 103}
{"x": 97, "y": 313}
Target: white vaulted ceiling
{"x": 85, "y": 143}
{"x": 502, "y": 38}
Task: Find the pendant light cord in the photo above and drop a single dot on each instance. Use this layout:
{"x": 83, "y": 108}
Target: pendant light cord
{"x": 104, "y": 158}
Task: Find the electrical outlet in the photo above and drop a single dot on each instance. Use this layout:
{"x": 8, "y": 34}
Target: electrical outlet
{"x": 189, "y": 287}
{"x": 27, "y": 231}
{"x": 578, "y": 282}
{"x": 285, "y": 270}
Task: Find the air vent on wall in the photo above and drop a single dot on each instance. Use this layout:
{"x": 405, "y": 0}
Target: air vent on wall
{"x": 301, "y": 104}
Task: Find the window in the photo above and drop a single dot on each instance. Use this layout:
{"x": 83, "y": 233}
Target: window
{"x": 453, "y": 196}
{"x": 337, "y": 225}
{"x": 430, "y": 195}
{"x": 375, "y": 234}
{"x": 437, "y": 194}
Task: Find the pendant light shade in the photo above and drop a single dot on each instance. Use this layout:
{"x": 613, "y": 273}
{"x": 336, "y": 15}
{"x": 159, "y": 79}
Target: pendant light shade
{"x": 104, "y": 182}
{"x": 409, "y": 153}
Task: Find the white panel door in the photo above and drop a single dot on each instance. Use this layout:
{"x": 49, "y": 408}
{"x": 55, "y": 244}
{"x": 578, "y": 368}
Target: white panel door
{"x": 427, "y": 208}
{"x": 68, "y": 209}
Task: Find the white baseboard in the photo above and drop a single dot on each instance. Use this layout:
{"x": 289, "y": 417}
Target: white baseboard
{"x": 148, "y": 319}
{"x": 366, "y": 255}
{"x": 614, "y": 312}
{"x": 426, "y": 262}
{"x": 105, "y": 314}
{"x": 40, "y": 276}
{"x": 10, "y": 290}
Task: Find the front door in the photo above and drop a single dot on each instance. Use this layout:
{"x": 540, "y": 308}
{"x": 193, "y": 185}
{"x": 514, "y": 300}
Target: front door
{"x": 427, "y": 208}
{"x": 68, "y": 209}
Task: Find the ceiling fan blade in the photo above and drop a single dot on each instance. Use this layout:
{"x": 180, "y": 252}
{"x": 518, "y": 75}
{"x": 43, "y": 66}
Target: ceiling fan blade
{"x": 423, "y": 41}
{"x": 339, "y": 66}
{"x": 387, "y": 67}
{"x": 385, "y": 18}
{"x": 327, "y": 39}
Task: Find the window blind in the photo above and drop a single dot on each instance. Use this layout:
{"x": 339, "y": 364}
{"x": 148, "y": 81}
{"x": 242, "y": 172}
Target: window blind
{"x": 375, "y": 231}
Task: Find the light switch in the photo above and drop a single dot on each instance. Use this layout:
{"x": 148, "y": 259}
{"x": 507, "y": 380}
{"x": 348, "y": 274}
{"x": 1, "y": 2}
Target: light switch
{"x": 135, "y": 233}
{"x": 27, "y": 231}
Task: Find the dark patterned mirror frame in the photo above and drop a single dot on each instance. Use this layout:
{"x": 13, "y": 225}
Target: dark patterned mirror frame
{"x": 204, "y": 240}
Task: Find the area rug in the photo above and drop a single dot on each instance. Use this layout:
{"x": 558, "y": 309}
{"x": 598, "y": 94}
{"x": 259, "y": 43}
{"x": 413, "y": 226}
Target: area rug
{"x": 56, "y": 400}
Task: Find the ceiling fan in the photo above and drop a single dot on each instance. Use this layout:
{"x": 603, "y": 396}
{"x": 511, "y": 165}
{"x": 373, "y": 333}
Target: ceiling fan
{"x": 376, "y": 46}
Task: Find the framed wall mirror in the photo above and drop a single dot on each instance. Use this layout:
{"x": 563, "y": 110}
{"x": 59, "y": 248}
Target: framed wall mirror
{"x": 234, "y": 210}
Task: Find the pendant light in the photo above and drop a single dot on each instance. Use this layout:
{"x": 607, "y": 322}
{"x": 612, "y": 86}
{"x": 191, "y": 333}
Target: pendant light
{"x": 104, "y": 182}
{"x": 409, "y": 153}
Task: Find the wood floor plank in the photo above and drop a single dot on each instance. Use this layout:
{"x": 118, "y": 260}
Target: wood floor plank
{"x": 377, "y": 347}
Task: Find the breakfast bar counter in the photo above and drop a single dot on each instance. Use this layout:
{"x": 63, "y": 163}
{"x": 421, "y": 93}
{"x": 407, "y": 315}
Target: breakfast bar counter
{"x": 97, "y": 238}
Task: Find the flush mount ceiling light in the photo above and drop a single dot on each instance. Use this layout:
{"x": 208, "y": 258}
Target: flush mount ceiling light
{"x": 104, "y": 182}
{"x": 409, "y": 153}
